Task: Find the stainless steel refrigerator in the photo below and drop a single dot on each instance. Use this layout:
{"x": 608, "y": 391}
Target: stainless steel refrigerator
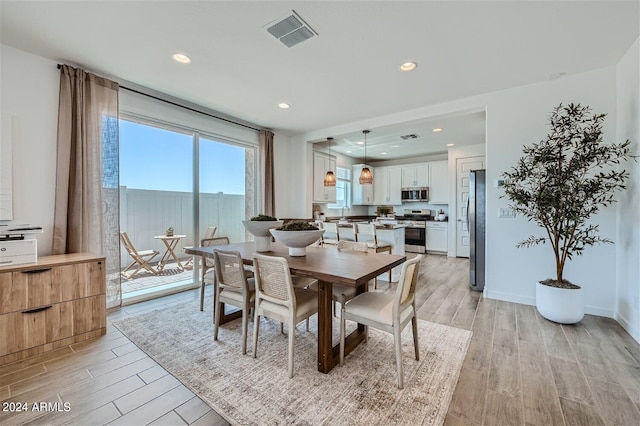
{"x": 477, "y": 219}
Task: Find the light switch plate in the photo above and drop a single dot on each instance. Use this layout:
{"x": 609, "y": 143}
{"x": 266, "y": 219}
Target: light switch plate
{"x": 505, "y": 212}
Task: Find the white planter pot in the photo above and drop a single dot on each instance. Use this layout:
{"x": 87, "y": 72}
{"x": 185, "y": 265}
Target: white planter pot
{"x": 561, "y": 305}
{"x": 297, "y": 241}
{"x": 260, "y": 232}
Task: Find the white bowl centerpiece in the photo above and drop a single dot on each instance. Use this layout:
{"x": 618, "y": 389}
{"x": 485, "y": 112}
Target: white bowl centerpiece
{"x": 297, "y": 236}
{"x": 259, "y": 226}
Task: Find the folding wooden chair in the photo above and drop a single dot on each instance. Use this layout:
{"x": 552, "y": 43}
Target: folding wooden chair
{"x": 141, "y": 258}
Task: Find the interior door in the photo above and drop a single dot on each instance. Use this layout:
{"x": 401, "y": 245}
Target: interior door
{"x": 463, "y": 166}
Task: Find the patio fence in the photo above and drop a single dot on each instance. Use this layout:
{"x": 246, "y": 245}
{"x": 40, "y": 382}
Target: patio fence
{"x": 145, "y": 214}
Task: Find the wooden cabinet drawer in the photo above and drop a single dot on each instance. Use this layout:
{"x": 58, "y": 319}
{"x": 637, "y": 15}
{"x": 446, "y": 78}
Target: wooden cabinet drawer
{"x": 48, "y": 304}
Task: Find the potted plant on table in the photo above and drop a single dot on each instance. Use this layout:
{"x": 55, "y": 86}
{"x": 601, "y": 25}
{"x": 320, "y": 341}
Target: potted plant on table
{"x": 297, "y": 235}
{"x": 559, "y": 183}
{"x": 259, "y": 226}
{"x": 169, "y": 231}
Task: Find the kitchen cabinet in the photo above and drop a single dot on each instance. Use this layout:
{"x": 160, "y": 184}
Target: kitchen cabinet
{"x": 439, "y": 182}
{"x": 55, "y": 302}
{"x": 321, "y": 164}
{"x": 415, "y": 175}
{"x": 361, "y": 195}
{"x": 387, "y": 186}
{"x": 436, "y": 238}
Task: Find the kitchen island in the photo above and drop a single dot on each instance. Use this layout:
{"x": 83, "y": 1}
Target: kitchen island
{"x": 392, "y": 234}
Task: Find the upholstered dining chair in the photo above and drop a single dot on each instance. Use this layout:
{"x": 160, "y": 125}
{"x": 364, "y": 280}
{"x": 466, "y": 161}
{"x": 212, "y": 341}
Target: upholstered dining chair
{"x": 366, "y": 232}
{"x": 141, "y": 258}
{"x": 387, "y": 312}
{"x": 208, "y": 265}
{"x": 278, "y": 299}
{"x": 234, "y": 288}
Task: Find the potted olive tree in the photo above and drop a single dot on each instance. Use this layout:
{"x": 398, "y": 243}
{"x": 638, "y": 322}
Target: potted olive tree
{"x": 559, "y": 183}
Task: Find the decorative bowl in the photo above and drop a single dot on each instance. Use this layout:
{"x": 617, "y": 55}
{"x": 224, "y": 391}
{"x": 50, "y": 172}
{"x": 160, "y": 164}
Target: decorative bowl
{"x": 260, "y": 230}
{"x": 297, "y": 241}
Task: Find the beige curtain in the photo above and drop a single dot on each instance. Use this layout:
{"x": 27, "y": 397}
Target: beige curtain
{"x": 86, "y": 199}
{"x": 266, "y": 172}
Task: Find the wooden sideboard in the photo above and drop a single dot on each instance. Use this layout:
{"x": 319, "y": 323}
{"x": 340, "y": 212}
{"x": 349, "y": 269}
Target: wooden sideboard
{"x": 55, "y": 302}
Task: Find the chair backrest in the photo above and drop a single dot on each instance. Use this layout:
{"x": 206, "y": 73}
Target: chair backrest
{"x": 366, "y": 232}
{"x": 352, "y": 246}
{"x": 217, "y": 241}
{"x": 229, "y": 270}
{"x": 128, "y": 245}
{"x": 347, "y": 232}
{"x": 210, "y": 233}
{"x": 273, "y": 280}
{"x": 407, "y": 284}
{"x": 330, "y": 228}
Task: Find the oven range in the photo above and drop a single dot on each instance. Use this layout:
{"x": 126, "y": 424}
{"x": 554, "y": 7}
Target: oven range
{"x": 415, "y": 234}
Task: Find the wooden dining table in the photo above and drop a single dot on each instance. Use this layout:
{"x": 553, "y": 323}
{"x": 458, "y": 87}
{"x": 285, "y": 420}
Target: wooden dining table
{"x": 328, "y": 266}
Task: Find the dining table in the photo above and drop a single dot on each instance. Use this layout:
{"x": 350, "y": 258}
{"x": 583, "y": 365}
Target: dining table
{"x": 328, "y": 266}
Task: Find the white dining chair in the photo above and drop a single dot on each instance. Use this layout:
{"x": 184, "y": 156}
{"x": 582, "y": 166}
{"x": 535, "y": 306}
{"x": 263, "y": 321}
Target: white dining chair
{"x": 208, "y": 265}
{"x": 232, "y": 287}
{"x": 387, "y": 312}
{"x": 278, "y": 299}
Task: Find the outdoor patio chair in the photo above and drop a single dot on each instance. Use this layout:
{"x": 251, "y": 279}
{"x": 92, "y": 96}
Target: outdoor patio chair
{"x": 141, "y": 258}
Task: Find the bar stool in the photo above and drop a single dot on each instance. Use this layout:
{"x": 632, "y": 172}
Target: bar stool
{"x": 366, "y": 233}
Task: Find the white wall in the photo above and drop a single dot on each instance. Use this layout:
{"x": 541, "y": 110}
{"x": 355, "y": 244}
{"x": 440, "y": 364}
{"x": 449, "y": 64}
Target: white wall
{"x": 29, "y": 86}
{"x": 516, "y": 117}
{"x": 628, "y": 232}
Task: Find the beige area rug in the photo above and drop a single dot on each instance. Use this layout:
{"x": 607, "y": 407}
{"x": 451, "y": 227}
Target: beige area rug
{"x": 258, "y": 391}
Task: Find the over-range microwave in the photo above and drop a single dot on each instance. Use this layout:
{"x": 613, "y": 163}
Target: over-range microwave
{"x": 415, "y": 194}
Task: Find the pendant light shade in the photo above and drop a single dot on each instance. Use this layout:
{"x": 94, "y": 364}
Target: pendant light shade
{"x": 330, "y": 177}
{"x": 366, "y": 177}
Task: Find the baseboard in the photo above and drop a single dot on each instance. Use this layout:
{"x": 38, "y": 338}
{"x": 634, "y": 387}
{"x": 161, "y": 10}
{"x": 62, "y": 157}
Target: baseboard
{"x": 508, "y": 297}
{"x": 632, "y": 329}
{"x": 525, "y": 300}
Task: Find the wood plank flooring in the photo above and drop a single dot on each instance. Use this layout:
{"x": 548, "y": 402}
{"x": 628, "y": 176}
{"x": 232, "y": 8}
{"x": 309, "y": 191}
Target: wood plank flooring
{"x": 519, "y": 370}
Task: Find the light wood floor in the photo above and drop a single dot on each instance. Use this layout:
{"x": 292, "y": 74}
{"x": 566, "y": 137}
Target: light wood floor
{"x": 520, "y": 369}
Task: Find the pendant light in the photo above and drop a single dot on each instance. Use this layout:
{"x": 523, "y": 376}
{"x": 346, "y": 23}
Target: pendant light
{"x": 330, "y": 178}
{"x": 366, "y": 177}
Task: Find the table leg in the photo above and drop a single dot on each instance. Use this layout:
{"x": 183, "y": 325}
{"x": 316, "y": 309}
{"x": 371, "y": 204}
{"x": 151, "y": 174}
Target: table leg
{"x": 170, "y": 246}
{"x": 325, "y": 327}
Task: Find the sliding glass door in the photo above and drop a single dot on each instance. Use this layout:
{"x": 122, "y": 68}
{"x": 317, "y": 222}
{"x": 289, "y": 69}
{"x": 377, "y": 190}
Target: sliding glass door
{"x": 179, "y": 180}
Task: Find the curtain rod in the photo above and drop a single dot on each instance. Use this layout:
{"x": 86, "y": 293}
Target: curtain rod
{"x": 185, "y": 107}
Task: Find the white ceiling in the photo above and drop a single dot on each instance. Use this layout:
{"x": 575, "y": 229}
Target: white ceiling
{"x": 347, "y": 73}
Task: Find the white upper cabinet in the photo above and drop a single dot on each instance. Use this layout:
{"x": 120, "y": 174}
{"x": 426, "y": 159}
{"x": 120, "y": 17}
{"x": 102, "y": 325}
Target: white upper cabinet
{"x": 362, "y": 195}
{"x": 415, "y": 175}
{"x": 387, "y": 185}
{"x": 321, "y": 164}
{"x": 439, "y": 182}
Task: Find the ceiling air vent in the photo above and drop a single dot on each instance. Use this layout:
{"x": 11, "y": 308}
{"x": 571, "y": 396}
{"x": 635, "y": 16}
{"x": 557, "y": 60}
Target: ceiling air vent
{"x": 411, "y": 136}
{"x": 290, "y": 29}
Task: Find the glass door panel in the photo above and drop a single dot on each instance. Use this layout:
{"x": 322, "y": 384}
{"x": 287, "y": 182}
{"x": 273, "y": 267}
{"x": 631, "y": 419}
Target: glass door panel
{"x": 156, "y": 194}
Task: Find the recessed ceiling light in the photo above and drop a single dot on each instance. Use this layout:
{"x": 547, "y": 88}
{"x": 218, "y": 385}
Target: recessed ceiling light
{"x": 408, "y": 66}
{"x": 437, "y": 129}
{"x": 284, "y": 105}
{"x": 395, "y": 146}
{"x": 383, "y": 153}
{"x": 348, "y": 151}
{"x": 450, "y": 144}
{"x": 181, "y": 57}
{"x": 360, "y": 143}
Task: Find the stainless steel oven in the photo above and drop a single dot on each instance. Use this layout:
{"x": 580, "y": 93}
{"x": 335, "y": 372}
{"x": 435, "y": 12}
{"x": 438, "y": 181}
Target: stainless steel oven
{"x": 415, "y": 238}
{"x": 415, "y": 234}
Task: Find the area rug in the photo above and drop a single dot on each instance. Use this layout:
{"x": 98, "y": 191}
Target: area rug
{"x": 248, "y": 391}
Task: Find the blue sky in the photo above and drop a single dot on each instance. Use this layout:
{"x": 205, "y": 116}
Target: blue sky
{"x": 158, "y": 159}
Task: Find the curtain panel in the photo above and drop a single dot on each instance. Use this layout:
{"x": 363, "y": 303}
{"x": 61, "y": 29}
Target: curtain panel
{"x": 266, "y": 172}
{"x": 86, "y": 217}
